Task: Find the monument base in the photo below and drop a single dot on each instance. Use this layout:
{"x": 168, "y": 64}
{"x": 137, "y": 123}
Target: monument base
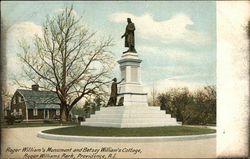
{"x": 133, "y": 99}
{"x": 130, "y": 117}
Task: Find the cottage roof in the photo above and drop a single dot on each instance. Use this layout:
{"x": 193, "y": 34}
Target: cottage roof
{"x": 40, "y": 99}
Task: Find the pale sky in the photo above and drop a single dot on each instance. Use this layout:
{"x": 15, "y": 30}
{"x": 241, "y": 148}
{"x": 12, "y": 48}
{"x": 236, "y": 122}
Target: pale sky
{"x": 175, "y": 40}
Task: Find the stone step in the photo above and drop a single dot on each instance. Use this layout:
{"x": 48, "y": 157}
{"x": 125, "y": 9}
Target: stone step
{"x": 130, "y": 108}
{"x": 124, "y": 125}
{"x": 101, "y": 124}
{"x": 131, "y": 120}
{"x": 94, "y": 116}
{"x": 130, "y": 116}
{"x": 139, "y": 115}
{"x": 130, "y": 112}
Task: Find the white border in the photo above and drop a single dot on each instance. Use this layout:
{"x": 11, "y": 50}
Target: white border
{"x": 232, "y": 78}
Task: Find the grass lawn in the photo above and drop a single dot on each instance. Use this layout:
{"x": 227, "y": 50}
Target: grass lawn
{"x": 22, "y": 125}
{"x": 152, "y": 131}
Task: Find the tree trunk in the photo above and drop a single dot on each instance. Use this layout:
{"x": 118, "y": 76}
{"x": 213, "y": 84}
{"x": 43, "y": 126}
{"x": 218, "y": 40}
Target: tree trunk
{"x": 65, "y": 117}
{"x": 63, "y": 113}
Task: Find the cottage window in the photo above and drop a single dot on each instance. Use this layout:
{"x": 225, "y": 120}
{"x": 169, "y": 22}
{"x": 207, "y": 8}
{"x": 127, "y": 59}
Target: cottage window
{"x": 20, "y": 112}
{"x": 57, "y": 111}
{"x": 14, "y": 100}
{"x": 19, "y": 99}
{"x": 34, "y": 112}
{"x": 14, "y": 112}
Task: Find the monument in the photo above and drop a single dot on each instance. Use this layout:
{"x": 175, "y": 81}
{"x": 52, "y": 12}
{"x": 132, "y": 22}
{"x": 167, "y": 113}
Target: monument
{"x": 131, "y": 108}
{"x": 129, "y": 36}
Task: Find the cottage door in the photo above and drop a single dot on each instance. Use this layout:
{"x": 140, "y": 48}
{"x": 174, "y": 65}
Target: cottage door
{"x": 46, "y": 113}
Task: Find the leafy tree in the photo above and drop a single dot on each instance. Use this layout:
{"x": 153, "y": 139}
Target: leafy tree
{"x": 67, "y": 59}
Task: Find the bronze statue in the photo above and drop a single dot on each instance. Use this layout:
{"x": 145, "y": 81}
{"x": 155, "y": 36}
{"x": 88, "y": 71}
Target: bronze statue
{"x": 129, "y": 36}
{"x": 113, "y": 95}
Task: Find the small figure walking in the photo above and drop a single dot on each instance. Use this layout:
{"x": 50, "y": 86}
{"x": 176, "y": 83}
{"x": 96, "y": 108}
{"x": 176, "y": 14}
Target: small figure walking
{"x": 113, "y": 95}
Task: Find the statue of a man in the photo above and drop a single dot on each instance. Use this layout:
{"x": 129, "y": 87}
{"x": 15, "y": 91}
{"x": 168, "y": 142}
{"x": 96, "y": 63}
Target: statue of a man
{"x": 113, "y": 95}
{"x": 129, "y": 36}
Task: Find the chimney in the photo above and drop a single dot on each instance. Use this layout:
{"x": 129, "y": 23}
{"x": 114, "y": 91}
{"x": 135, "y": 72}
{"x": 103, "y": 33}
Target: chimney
{"x": 35, "y": 87}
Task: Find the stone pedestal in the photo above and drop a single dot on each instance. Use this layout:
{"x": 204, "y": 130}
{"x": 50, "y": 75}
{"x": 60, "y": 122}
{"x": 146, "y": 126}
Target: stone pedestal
{"x": 131, "y": 89}
{"x": 135, "y": 111}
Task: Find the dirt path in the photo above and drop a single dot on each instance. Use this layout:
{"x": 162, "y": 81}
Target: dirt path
{"x": 18, "y": 138}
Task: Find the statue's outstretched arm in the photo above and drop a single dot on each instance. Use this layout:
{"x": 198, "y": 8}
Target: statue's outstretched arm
{"x": 121, "y": 81}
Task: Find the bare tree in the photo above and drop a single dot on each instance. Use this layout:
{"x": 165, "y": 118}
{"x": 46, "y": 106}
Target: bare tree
{"x": 68, "y": 60}
{"x": 153, "y": 96}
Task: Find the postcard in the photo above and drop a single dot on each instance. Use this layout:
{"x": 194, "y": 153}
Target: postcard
{"x": 116, "y": 79}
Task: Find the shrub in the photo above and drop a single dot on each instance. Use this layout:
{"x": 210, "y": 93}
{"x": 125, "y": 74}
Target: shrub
{"x": 10, "y": 119}
{"x": 56, "y": 118}
{"x": 47, "y": 121}
{"x": 19, "y": 117}
{"x": 81, "y": 119}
